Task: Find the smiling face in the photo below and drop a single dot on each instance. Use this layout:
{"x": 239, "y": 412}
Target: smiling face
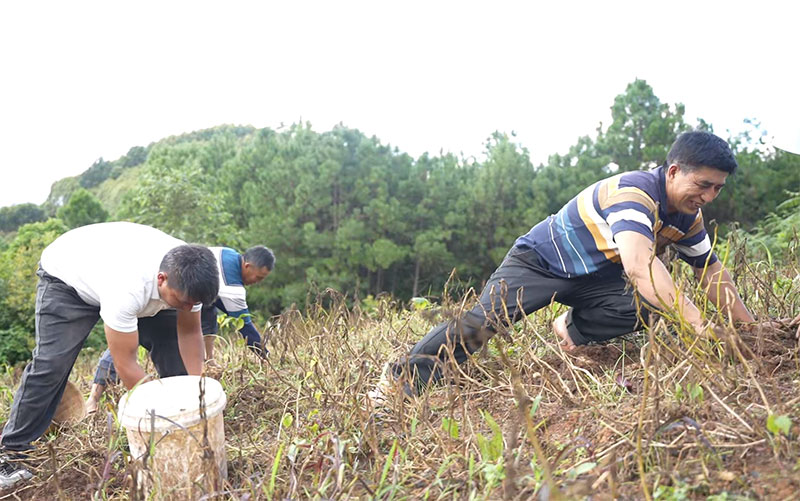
{"x": 689, "y": 190}
{"x": 173, "y": 297}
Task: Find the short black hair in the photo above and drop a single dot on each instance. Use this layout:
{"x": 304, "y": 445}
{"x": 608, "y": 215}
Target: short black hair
{"x": 260, "y": 257}
{"x": 192, "y": 270}
{"x": 697, "y": 148}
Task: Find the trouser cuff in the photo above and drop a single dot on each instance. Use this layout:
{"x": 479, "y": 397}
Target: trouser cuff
{"x": 573, "y": 332}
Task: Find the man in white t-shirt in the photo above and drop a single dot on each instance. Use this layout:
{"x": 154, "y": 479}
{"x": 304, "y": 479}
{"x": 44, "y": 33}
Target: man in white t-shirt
{"x": 235, "y": 272}
{"x": 131, "y": 276}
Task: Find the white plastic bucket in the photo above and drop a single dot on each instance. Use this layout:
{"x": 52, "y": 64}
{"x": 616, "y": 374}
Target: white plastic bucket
{"x": 166, "y": 432}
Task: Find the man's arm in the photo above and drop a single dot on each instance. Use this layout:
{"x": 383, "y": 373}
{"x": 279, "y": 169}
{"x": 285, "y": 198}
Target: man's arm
{"x": 719, "y": 287}
{"x": 636, "y": 251}
{"x": 190, "y": 341}
{"x": 236, "y": 306}
{"x": 250, "y": 333}
{"x": 124, "y": 347}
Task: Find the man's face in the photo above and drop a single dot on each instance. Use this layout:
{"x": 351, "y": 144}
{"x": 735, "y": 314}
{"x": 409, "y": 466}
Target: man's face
{"x": 688, "y": 191}
{"x": 252, "y": 275}
{"x": 173, "y": 297}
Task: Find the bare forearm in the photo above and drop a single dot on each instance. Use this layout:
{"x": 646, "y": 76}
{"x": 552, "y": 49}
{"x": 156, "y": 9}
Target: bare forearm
{"x": 208, "y": 341}
{"x": 190, "y": 341}
{"x": 123, "y": 347}
{"x": 130, "y": 374}
{"x": 656, "y": 286}
{"x": 651, "y": 278}
{"x": 192, "y": 352}
{"x": 721, "y": 291}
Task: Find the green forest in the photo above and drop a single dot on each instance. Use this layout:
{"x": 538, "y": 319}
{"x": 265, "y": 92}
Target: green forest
{"x": 349, "y": 212}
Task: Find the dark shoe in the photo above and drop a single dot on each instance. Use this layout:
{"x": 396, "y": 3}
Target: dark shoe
{"x": 12, "y": 472}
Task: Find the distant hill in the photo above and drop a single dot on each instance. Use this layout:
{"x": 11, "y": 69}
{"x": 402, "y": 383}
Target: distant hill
{"x": 110, "y": 180}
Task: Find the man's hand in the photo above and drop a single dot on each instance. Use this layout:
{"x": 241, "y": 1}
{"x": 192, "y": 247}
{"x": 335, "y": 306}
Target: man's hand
{"x": 772, "y": 325}
{"x": 213, "y": 369}
{"x": 721, "y": 291}
{"x": 766, "y": 325}
{"x": 124, "y": 347}
{"x": 733, "y": 343}
{"x": 651, "y": 278}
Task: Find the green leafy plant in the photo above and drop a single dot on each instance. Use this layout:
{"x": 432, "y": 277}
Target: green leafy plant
{"x": 450, "y": 425}
{"x": 491, "y": 452}
{"x": 779, "y": 425}
{"x": 677, "y": 492}
{"x": 691, "y": 393}
{"x": 421, "y": 303}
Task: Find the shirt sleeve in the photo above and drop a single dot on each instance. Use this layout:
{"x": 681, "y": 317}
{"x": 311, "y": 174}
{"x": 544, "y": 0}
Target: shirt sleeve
{"x": 628, "y": 209}
{"x": 695, "y": 246}
{"x": 234, "y": 302}
{"x": 250, "y": 333}
{"x": 121, "y": 312}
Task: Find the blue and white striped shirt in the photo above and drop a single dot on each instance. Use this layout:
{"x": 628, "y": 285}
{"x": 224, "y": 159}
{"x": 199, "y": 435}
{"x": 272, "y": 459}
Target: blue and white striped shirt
{"x": 232, "y": 294}
{"x": 579, "y": 239}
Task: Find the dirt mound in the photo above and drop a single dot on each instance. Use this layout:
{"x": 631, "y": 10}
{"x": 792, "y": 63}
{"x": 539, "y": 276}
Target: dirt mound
{"x": 596, "y": 359}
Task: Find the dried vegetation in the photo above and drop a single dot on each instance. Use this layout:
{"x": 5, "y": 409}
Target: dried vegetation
{"x": 657, "y": 415}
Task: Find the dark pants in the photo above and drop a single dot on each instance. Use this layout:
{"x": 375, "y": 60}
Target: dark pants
{"x": 63, "y": 322}
{"x": 602, "y": 308}
{"x": 162, "y": 346}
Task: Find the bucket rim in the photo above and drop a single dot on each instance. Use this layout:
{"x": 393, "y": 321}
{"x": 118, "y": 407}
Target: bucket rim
{"x": 134, "y": 411}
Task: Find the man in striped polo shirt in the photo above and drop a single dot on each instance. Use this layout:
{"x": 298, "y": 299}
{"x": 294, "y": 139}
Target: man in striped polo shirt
{"x": 589, "y": 254}
{"x": 235, "y": 271}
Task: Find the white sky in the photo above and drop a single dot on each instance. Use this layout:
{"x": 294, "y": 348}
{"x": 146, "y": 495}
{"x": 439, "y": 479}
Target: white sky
{"x": 80, "y": 80}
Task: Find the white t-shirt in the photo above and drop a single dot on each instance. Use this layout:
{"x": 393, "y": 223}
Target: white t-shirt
{"x": 113, "y": 266}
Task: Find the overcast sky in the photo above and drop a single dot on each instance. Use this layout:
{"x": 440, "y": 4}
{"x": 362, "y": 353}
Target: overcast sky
{"x": 83, "y": 80}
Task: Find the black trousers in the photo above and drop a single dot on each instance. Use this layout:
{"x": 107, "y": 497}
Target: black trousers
{"x": 158, "y": 335}
{"x": 602, "y": 307}
{"x": 63, "y": 322}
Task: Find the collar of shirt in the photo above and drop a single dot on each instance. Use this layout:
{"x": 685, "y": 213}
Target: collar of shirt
{"x": 662, "y": 193}
{"x": 154, "y": 294}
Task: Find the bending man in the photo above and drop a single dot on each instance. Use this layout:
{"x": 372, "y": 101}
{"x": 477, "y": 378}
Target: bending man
{"x": 235, "y": 272}
{"x": 130, "y": 276}
{"x": 588, "y": 254}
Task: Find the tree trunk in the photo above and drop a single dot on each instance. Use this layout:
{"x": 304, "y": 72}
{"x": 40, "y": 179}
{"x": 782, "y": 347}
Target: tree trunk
{"x": 416, "y": 279}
